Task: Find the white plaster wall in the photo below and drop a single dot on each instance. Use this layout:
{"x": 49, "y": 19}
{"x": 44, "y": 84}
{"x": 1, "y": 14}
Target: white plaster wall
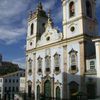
{"x": 78, "y": 28}
{"x": 22, "y": 84}
{"x": 42, "y": 54}
{"x": 78, "y": 11}
{"x": 1, "y": 86}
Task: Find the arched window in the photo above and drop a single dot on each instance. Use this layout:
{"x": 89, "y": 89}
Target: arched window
{"x": 57, "y": 93}
{"x": 57, "y": 62}
{"x": 30, "y": 66}
{"x": 32, "y": 28}
{"x": 73, "y": 59}
{"x": 39, "y": 64}
{"x": 88, "y": 9}
{"x": 38, "y": 92}
{"x": 47, "y": 63}
{"x": 71, "y": 9}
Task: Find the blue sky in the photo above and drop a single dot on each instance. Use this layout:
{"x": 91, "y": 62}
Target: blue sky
{"x": 13, "y": 25}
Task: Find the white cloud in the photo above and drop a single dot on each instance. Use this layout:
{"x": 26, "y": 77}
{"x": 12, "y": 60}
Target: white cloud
{"x": 10, "y": 8}
{"x": 49, "y": 4}
{"x": 10, "y": 14}
{"x": 11, "y": 35}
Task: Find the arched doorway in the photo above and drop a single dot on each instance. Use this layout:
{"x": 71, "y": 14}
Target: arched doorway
{"x": 47, "y": 89}
{"x": 91, "y": 90}
{"x": 57, "y": 93}
{"x": 38, "y": 92}
{"x": 29, "y": 89}
{"x": 73, "y": 88}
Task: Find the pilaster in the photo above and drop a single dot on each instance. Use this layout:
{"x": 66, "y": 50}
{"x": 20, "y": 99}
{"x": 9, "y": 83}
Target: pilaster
{"x": 82, "y": 66}
{"x": 64, "y": 74}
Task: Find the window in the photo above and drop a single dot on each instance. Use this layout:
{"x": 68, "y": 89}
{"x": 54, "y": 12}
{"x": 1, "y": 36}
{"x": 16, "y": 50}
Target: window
{"x": 0, "y": 89}
{"x": 73, "y": 61}
{"x": 88, "y": 9}
{"x": 47, "y": 63}
{"x": 0, "y": 80}
{"x": 30, "y": 66}
{"x": 17, "y": 81}
{"x": 17, "y": 89}
{"x": 9, "y": 80}
{"x": 13, "y": 81}
{"x": 39, "y": 64}
{"x": 5, "y": 80}
{"x": 0, "y": 96}
{"x": 5, "y": 89}
{"x": 32, "y": 28}
{"x": 71, "y": 9}
{"x": 17, "y": 74}
{"x": 57, "y": 62}
{"x": 92, "y": 64}
{"x": 13, "y": 89}
{"x": 9, "y": 89}
{"x": 20, "y": 74}
{"x": 30, "y": 63}
{"x": 58, "y": 93}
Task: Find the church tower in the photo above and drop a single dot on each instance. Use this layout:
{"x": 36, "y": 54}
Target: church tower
{"x": 79, "y": 18}
{"x": 79, "y": 27}
{"x": 36, "y": 27}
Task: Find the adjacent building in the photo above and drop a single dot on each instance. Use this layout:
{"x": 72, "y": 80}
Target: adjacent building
{"x": 63, "y": 65}
{"x": 10, "y": 84}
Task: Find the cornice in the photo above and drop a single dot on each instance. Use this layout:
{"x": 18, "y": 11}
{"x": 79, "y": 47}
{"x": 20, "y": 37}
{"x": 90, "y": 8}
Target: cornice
{"x": 61, "y": 42}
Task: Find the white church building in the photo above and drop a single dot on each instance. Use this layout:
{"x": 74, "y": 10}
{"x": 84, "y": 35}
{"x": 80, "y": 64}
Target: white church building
{"x": 63, "y": 65}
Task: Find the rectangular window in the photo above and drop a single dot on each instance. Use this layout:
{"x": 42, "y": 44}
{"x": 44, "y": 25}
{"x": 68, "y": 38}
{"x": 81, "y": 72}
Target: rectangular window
{"x": 5, "y": 89}
{"x": 0, "y": 89}
{"x": 92, "y": 64}
{"x": 0, "y": 80}
{"x": 5, "y": 80}
{"x": 9, "y": 80}
{"x": 17, "y": 89}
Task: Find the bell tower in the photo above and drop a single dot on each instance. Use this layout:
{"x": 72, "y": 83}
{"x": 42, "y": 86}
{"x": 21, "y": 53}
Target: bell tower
{"x": 79, "y": 18}
{"x": 36, "y": 26}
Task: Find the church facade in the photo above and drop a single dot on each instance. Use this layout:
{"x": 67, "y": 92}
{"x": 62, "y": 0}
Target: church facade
{"x": 63, "y": 65}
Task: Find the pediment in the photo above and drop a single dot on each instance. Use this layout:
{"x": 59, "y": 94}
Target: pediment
{"x": 49, "y": 36}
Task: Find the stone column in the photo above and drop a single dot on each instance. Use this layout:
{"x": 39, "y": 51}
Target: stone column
{"x": 82, "y": 65}
{"x": 64, "y": 74}
{"x": 97, "y": 46}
